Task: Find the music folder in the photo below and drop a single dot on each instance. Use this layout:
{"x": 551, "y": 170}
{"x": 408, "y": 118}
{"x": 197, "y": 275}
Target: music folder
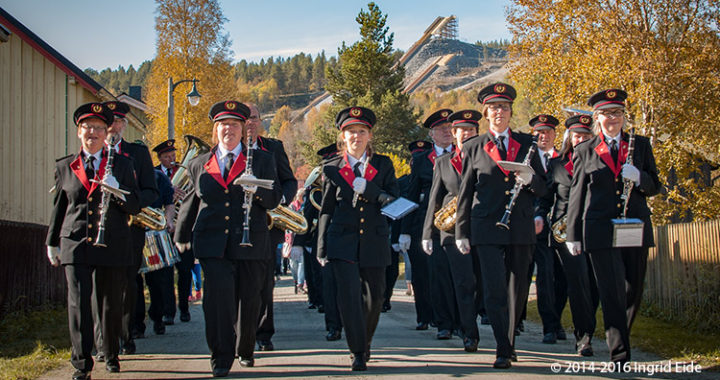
{"x": 513, "y": 166}
{"x": 398, "y": 208}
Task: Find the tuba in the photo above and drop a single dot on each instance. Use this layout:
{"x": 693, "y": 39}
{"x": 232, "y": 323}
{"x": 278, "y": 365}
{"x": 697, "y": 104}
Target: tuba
{"x": 149, "y": 217}
{"x": 181, "y": 178}
{"x": 558, "y": 229}
{"x": 445, "y": 217}
{"x": 285, "y": 218}
{"x": 313, "y": 194}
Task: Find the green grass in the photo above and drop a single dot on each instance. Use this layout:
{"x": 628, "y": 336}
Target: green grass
{"x": 669, "y": 340}
{"x": 33, "y": 343}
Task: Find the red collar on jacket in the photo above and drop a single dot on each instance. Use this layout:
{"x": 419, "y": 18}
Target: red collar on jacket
{"x": 213, "y": 168}
{"x": 456, "y": 161}
{"x": 78, "y": 168}
{"x": 512, "y": 151}
{"x": 603, "y": 151}
{"x": 349, "y": 176}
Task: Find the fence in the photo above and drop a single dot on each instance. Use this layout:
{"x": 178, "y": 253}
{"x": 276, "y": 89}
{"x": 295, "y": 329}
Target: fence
{"x": 27, "y": 279}
{"x": 683, "y": 272}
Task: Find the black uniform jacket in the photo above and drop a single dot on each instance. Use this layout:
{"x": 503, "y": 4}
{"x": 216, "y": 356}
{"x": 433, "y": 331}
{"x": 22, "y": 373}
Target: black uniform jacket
{"x": 144, "y": 172}
{"x": 309, "y": 238}
{"x": 359, "y": 234}
{"x": 286, "y": 178}
{"x": 445, "y": 186}
{"x": 212, "y": 214}
{"x": 597, "y": 186}
{"x": 76, "y": 213}
{"x": 485, "y": 191}
{"x": 421, "y": 176}
{"x": 553, "y": 206}
{"x": 162, "y": 169}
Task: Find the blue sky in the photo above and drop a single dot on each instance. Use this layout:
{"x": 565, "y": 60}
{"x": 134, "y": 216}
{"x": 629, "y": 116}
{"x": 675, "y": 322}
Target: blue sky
{"x": 101, "y": 33}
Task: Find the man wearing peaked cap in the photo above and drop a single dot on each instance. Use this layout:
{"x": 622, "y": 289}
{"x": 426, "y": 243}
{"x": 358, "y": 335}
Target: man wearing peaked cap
{"x": 612, "y": 98}
{"x": 355, "y": 115}
{"x": 497, "y": 92}
{"x": 419, "y": 146}
{"x": 95, "y": 274}
{"x": 547, "y": 281}
{"x": 166, "y": 155}
{"x": 430, "y": 301}
{"x": 118, "y": 108}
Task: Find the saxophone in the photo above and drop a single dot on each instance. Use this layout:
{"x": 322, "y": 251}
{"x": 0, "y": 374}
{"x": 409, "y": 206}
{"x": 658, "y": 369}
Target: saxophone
{"x": 559, "y": 228}
{"x": 445, "y": 217}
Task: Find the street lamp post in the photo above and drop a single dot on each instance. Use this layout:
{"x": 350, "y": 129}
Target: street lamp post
{"x": 193, "y": 98}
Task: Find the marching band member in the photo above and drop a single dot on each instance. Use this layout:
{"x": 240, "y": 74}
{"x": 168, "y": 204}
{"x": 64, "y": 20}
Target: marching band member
{"x": 599, "y": 173}
{"x": 581, "y": 287}
{"x": 430, "y": 300}
{"x": 353, "y": 236}
{"x": 504, "y": 254}
{"x": 92, "y": 271}
{"x": 211, "y": 221}
{"x": 446, "y": 180}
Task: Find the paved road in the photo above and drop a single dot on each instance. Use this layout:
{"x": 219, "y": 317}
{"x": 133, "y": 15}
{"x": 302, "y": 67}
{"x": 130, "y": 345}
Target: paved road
{"x": 399, "y": 351}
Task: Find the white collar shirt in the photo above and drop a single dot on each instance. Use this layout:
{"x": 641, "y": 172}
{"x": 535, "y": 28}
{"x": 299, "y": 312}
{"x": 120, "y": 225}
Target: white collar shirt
{"x": 222, "y": 156}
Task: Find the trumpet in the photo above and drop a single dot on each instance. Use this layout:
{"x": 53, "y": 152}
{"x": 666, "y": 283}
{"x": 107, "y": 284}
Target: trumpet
{"x": 445, "y": 217}
{"x": 285, "y": 218}
{"x": 149, "y": 217}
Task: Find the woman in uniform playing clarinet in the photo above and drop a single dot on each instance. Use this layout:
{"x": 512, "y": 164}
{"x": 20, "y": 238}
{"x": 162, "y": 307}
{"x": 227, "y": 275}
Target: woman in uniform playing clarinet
{"x": 600, "y": 173}
{"x": 212, "y": 220}
{"x": 353, "y": 236}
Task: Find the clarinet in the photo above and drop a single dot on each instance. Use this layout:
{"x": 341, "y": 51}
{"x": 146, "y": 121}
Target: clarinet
{"x": 505, "y": 220}
{"x": 628, "y": 184}
{"x": 247, "y": 205}
{"x": 105, "y": 200}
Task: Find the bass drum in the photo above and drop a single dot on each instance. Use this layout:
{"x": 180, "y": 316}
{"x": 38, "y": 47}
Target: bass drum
{"x": 159, "y": 251}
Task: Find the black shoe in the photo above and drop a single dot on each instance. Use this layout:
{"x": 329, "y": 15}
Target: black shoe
{"x": 385, "y": 308}
{"x": 100, "y": 357}
{"x": 470, "y": 344}
{"x": 444, "y": 334}
{"x": 321, "y": 309}
{"x": 421, "y": 326}
{"x": 433, "y": 324}
{"x": 312, "y": 306}
{"x": 585, "y": 350}
{"x": 517, "y": 331}
{"x": 560, "y": 334}
{"x": 484, "y": 320}
{"x": 80, "y": 374}
{"x": 128, "y": 348}
{"x": 168, "y": 321}
{"x": 333, "y": 335}
{"x": 159, "y": 328}
{"x": 137, "y": 334}
{"x": 513, "y": 356}
{"x": 246, "y": 362}
{"x": 550, "y": 338}
{"x": 358, "y": 363}
{"x": 112, "y": 366}
{"x": 502, "y": 363}
{"x": 184, "y": 316}
{"x": 459, "y": 333}
{"x": 521, "y": 326}
{"x": 265, "y": 345}
{"x": 220, "y": 372}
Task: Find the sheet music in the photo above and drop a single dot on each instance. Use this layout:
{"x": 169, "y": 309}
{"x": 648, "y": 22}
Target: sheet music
{"x": 399, "y": 208}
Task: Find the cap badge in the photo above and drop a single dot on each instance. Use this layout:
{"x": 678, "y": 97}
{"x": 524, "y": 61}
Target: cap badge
{"x": 499, "y": 88}
{"x": 611, "y": 94}
{"x": 169, "y": 143}
{"x": 585, "y": 119}
{"x": 467, "y": 115}
{"x": 111, "y": 106}
{"x": 96, "y": 108}
{"x": 355, "y": 112}
{"x": 230, "y": 105}
{"x": 444, "y": 113}
{"x": 420, "y": 144}
{"x": 542, "y": 118}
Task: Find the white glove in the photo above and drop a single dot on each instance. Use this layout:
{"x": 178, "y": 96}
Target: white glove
{"x": 183, "y": 247}
{"x": 463, "y": 245}
{"x": 575, "y": 247}
{"x": 524, "y": 178}
{"x": 404, "y": 242}
{"x": 427, "y": 246}
{"x": 53, "y": 254}
{"x": 111, "y": 181}
{"x": 632, "y": 173}
{"x": 359, "y": 185}
{"x": 322, "y": 261}
{"x": 250, "y": 188}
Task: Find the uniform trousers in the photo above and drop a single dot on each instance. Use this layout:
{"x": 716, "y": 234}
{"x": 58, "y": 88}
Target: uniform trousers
{"x": 360, "y": 298}
{"x": 420, "y": 282}
{"x": 266, "y": 321}
{"x": 463, "y": 279}
{"x": 391, "y": 274}
{"x": 580, "y": 284}
{"x": 504, "y": 274}
{"x": 442, "y": 292}
{"x": 100, "y": 286}
{"x": 620, "y": 273}
{"x": 544, "y": 258}
{"x": 162, "y": 293}
{"x": 231, "y": 305}
{"x": 130, "y": 288}
{"x": 184, "y": 280}
{"x": 332, "y": 314}
{"x": 313, "y": 277}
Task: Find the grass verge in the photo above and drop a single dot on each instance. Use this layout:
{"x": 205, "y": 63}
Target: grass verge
{"x": 33, "y": 343}
{"x": 669, "y": 340}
